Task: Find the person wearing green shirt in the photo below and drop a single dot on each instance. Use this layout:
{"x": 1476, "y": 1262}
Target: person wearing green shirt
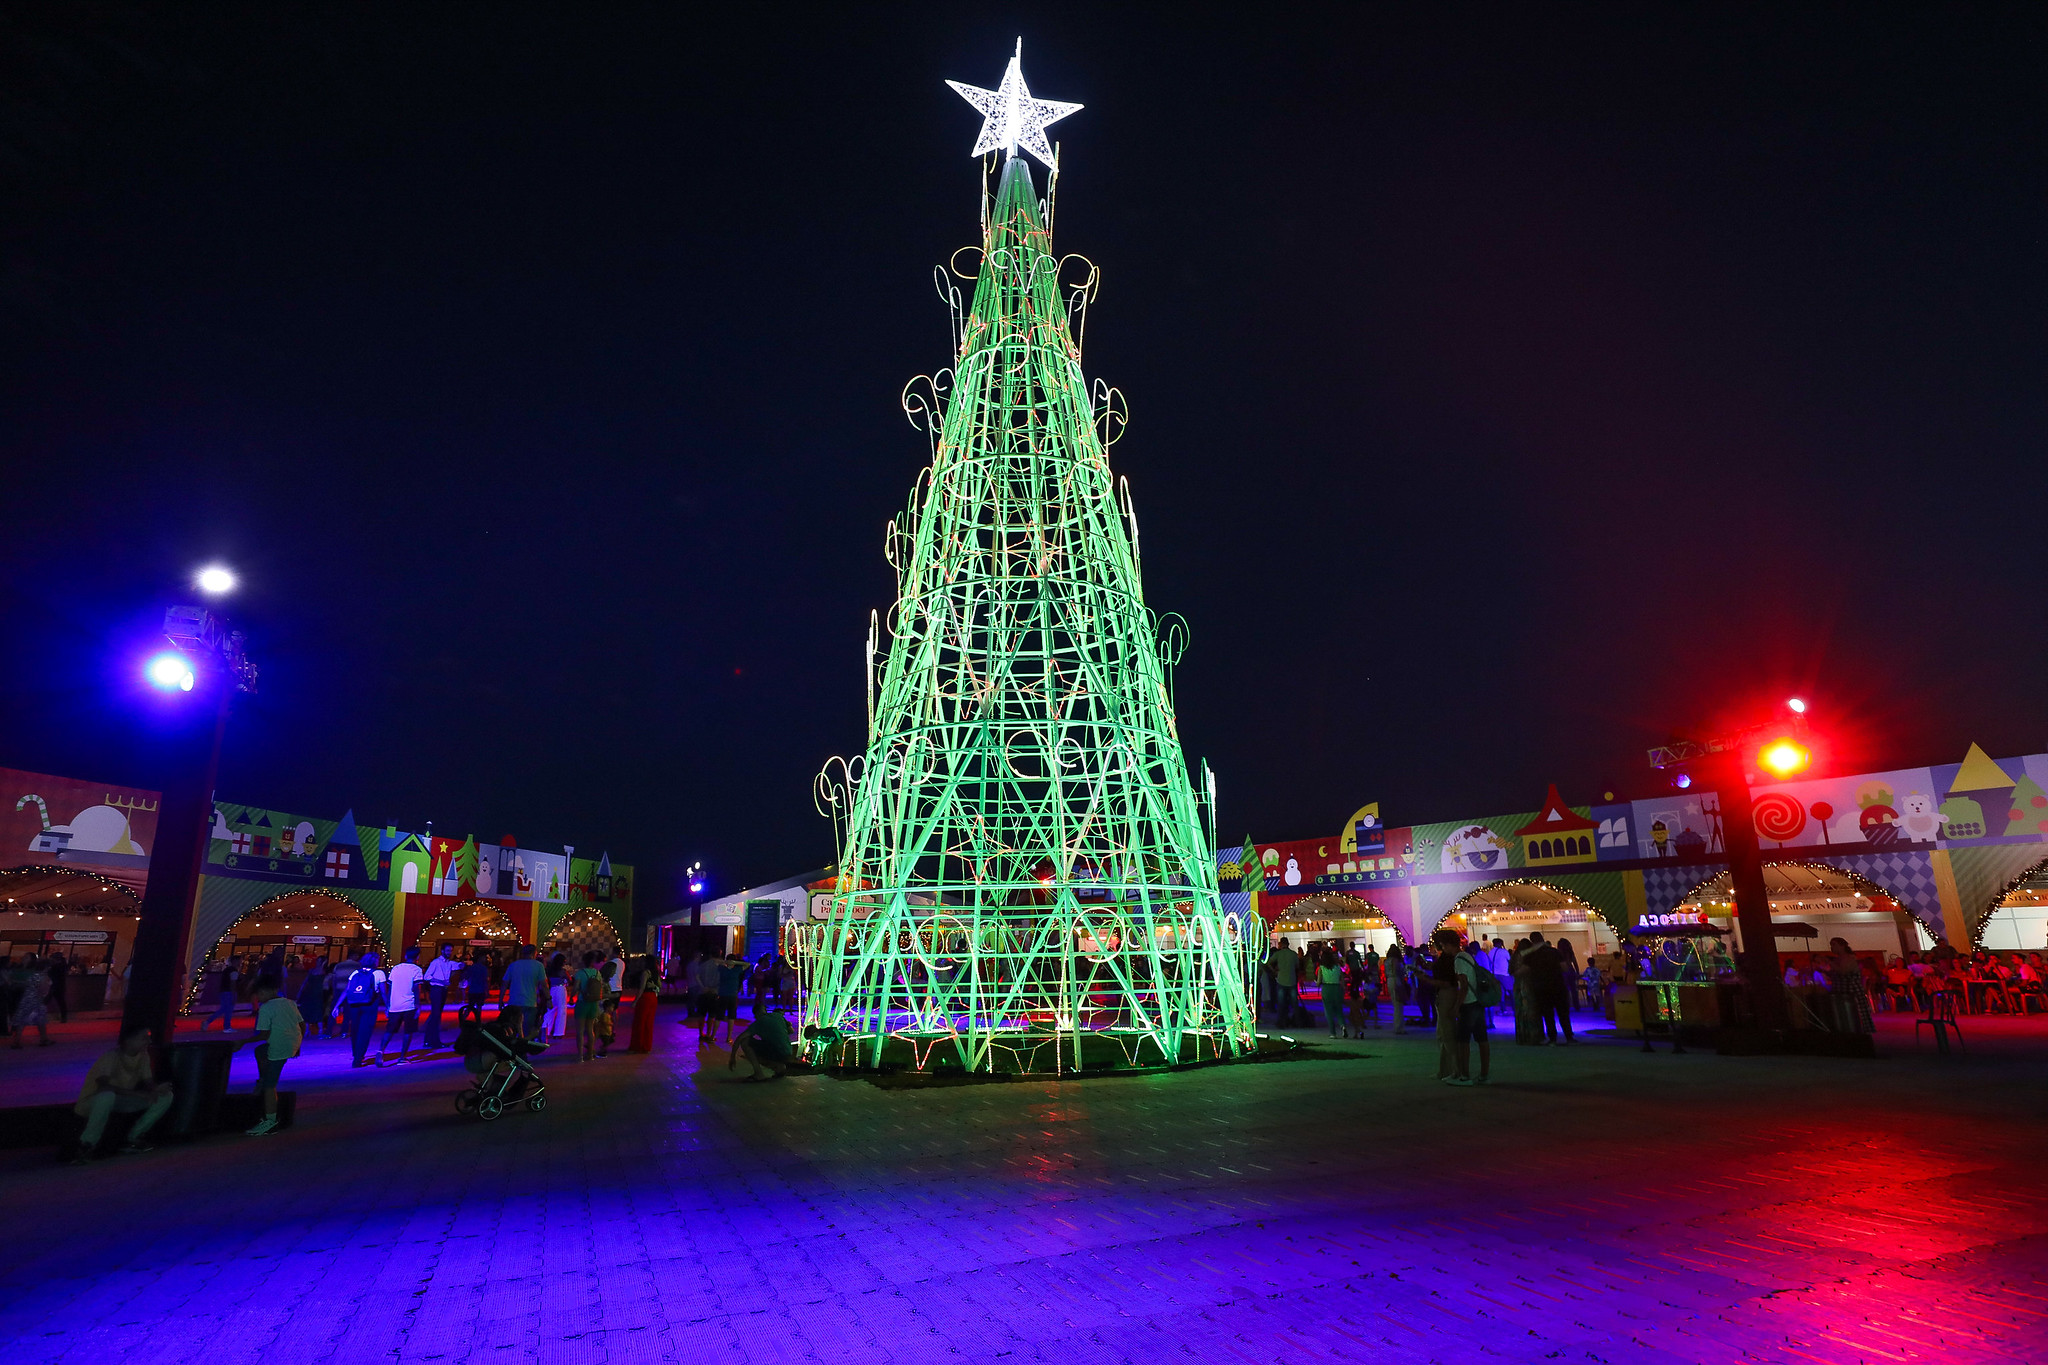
{"x": 1330, "y": 976}
{"x": 586, "y": 989}
{"x": 765, "y": 1044}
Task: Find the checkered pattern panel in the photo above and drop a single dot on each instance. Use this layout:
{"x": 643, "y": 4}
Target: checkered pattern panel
{"x": 585, "y": 936}
{"x": 1664, "y": 887}
{"x": 1907, "y": 878}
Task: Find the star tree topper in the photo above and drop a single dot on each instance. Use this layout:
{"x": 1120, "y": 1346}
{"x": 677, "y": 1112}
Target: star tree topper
{"x": 1010, "y": 117}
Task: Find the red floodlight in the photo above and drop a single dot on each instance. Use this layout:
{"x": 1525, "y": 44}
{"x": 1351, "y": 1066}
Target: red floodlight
{"x": 1784, "y": 756}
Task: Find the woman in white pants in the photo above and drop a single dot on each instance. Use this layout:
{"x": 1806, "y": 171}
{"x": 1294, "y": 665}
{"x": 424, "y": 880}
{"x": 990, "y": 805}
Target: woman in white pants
{"x": 557, "y": 1022}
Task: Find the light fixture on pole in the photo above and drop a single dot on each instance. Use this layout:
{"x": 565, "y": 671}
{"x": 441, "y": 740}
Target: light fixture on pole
{"x": 208, "y": 663}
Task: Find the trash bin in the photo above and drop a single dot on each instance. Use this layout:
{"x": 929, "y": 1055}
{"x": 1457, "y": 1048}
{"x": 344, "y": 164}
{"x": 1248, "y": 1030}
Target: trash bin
{"x": 199, "y": 1081}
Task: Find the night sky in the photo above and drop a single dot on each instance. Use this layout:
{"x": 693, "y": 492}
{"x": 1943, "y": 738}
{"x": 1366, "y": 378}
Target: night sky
{"x": 1510, "y": 388}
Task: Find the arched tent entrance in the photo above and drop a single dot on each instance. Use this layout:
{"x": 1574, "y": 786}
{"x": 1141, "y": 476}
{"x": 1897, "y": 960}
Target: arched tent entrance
{"x": 579, "y": 932}
{"x": 1837, "y": 902}
{"x": 467, "y": 925}
{"x": 312, "y": 929}
{"x": 1516, "y": 909}
{"x": 2018, "y": 918}
{"x": 89, "y": 918}
{"x": 1333, "y": 917}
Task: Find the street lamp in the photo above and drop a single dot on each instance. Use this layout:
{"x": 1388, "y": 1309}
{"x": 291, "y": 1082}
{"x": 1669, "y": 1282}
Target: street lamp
{"x": 215, "y": 580}
{"x": 172, "y": 671}
{"x": 204, "y": 668}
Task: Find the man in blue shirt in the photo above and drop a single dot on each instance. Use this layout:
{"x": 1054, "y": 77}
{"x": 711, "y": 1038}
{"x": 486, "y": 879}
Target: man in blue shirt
{"x": 526, "y": 985}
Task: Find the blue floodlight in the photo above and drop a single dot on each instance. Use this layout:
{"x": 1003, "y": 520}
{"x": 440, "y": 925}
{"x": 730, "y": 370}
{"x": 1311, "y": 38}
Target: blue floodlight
{"x": 1682, "y": 781}
{"x": 170, "y": 671}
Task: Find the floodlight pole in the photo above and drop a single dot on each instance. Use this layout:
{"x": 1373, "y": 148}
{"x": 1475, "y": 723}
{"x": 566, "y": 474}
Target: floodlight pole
{"x": 158, "y": 965}
{"x": 1763, "y": 974}
{"x": 1718, "y": 763}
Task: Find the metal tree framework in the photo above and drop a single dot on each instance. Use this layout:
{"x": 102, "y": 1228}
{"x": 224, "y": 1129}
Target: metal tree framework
{"x": 1025, "y": 882}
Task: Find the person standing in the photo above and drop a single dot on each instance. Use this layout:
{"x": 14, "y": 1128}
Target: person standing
{"x": 1851, "y": 991}
{"x": 402, "y": 1012}
{"x": 557, "y": 1021}
{"x": 644, "y": 1002}
{"x": 1443, "y": 976}
{"x": 1397, "y": 985}
{"x": 476, "y": 988}
{"x": 226, "y": 995}
{"x": 1545, "y": 968}
{"x": 31, "y": 1001}
{"x": 359, "y": 1001}
{"x": 1330, "y": 981}
{"x": 440, "y": 972}
{"x": 707, "y": 994}
{"x": 731, "y": 973}
{"x": 280, "y": 1030}
{"x": 526, "y": 986}
{"x": 121, "y": 1081}
{"x": 1422, "y": 970}
{"x": 1478, "y": 992}
{"x": 313, "y": 999}
{"x": 60, "y": 983}
{"x": 586, "y": 989}
{"x": 1502, "y": 967}
{"x": 1286, "y": 967}
{"x": 1568, "y": 972}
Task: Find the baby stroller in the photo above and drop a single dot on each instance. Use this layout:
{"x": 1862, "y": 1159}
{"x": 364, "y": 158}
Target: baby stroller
{"x": 497, "y": 1058}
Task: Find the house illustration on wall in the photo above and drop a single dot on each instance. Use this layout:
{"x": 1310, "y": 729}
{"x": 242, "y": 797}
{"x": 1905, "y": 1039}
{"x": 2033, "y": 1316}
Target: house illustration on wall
{"x": 1558, "y": 834}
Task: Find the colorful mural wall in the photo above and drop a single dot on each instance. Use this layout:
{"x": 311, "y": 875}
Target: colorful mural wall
{"x": 1942, "y": 842}
{"x": 399, "y": 880}
{"x": 63, "y": 822}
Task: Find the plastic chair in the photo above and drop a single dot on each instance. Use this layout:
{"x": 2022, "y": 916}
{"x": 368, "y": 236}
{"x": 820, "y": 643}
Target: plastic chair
{"x": 1941, "y": 1017}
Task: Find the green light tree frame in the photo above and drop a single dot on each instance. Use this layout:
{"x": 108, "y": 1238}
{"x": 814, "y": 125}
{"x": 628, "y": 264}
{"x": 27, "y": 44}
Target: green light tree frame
{"x": 1025, "y": 875}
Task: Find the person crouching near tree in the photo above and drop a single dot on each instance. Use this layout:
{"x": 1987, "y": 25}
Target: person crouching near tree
{"x": 279, "y": 1030}
{"x": 122, "y": 1081}
{"x": 765, "y": 1044}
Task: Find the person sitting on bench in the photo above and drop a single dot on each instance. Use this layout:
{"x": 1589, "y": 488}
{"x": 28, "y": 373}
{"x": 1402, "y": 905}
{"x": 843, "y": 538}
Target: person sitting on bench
{"x": 121, "y": 1082}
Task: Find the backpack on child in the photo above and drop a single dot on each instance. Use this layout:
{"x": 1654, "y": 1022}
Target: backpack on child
{"x": 361, "y": 988}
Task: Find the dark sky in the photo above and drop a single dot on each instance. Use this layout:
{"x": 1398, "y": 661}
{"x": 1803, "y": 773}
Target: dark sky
{"x": 1510, "y": 388}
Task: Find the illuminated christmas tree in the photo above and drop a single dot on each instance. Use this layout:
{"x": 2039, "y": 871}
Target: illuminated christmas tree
{"x": 1026, "y": 881}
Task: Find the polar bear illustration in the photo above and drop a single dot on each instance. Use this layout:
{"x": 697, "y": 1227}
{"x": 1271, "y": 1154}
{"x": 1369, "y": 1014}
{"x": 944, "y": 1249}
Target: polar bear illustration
{"x": 1919, "y": 817}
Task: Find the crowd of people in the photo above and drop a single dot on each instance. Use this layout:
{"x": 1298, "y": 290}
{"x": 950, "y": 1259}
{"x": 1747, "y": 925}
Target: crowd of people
{"x": 32, "y": 988}
{"x": 534, "y": 1001}
{"x": 1542, "y": 982}
{"x": 1982, "y": 982}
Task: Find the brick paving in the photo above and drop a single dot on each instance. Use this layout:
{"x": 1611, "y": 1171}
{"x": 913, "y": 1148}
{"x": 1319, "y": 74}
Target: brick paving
{"x": 1594, "y": 1204}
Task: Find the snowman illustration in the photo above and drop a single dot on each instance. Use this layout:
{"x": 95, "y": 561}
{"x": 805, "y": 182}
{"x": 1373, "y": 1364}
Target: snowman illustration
{"x": 1293, "y": 874}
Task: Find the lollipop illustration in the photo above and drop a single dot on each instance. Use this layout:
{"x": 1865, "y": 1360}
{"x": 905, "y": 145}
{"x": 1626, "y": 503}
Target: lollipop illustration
{"x": 1779, "y": 816}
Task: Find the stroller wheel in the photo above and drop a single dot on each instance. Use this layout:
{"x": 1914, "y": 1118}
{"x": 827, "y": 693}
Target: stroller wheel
{"x": 537, "y": 1103}
{"x": 465, "y": 1101}
{"x": 489, "y": 1107}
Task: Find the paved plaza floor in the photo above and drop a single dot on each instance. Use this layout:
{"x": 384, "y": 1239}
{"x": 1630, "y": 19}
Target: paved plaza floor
{"x": 1591, "y": 1204}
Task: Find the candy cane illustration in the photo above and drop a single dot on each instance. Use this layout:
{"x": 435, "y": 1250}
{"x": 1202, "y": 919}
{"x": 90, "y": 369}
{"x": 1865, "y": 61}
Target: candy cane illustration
{"x": 41, "y": 805}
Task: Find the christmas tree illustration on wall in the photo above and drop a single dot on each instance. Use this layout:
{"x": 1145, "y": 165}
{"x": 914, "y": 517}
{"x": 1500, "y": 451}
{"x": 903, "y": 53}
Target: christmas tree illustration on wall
{"x": 1979, "y": 799}
{"x": 1024, "y": 856}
